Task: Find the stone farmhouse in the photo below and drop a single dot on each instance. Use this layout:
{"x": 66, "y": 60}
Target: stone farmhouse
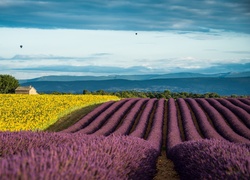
{"x": 25, "y": 90}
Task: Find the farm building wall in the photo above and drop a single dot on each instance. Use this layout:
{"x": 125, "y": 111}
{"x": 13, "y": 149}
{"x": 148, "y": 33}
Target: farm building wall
{"x": 32, "y": 91}
{"x": 25, "y": 90}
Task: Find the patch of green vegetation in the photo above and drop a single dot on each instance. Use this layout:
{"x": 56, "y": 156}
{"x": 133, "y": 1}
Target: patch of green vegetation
{"x": 70, "y": 119}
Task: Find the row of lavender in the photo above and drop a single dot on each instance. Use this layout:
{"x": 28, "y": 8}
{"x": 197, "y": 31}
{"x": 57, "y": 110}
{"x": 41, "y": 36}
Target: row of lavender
{"x": 82, "y": 150}
{"x": 69, "y": 156}
{"x": 226, "y": 119}
{"x": 209, "y": 138}
{"x": 85, "y": 152}
{"x": 136, "y": 117}
{"x": 187, "y": 120}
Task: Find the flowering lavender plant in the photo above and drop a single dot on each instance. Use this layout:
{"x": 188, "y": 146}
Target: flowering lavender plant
{"x": 206, "y": 128}
{"x": 40, "y": 155}
{"x": 211, "y": 159}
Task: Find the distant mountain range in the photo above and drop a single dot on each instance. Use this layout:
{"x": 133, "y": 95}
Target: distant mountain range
{"x": 223, "y": 84}
{"x": 137, "y": 77}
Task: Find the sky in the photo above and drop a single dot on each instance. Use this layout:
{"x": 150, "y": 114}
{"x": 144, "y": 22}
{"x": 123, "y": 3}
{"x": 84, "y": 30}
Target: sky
{"x": 119, "y": 37}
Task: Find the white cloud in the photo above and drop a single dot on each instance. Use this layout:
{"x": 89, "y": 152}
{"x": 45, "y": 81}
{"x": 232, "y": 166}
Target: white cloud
{"x": 156, "y": 51}
{"x": 5, "y": 3}
{"x": 195, "y": 11}
{"x": 183, "y": 24}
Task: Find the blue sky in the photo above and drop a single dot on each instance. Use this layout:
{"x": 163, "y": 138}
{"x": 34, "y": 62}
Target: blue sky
{"x": 97, "y": 37}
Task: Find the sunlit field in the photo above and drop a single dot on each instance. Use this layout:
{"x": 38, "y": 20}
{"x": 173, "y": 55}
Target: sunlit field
{"x": 37, "y": 112}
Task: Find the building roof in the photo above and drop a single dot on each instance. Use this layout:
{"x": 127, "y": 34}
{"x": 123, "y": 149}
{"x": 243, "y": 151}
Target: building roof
{"x": 24, "y": 88}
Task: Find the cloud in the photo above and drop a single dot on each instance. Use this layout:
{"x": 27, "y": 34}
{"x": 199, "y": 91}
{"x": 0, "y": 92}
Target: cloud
{"x": 28, "y": 62}
{"x": 107, "y": 70}
{"x": 90, "y": 69}
{"x": 127, "y": 15}
{"x": 38, "y": 57}
{"x": 221, "y": 68}
{"x": 53, "y": 57}
{"x": 239, "y": 52}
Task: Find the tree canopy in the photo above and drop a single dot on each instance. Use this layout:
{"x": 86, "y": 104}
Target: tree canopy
{"x": 8, "y": 84}
{"x": 165, "y": 94}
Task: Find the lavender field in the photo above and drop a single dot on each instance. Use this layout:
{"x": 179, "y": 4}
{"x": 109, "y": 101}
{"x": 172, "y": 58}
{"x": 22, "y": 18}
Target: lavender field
{"x": 205, "y": 139}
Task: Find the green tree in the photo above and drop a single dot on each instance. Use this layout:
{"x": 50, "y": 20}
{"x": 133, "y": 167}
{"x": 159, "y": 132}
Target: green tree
{"x": 167, "y": 94}
{"x": 211, "y": 95}
{"x": 101, "y": 92}
{"x": 234, "y": 96}
{"x": 85, "y": 91}
{"x": 8, "y": 84}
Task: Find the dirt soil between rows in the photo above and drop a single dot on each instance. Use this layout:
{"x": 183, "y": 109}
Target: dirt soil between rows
{"x": 165, "y": 168}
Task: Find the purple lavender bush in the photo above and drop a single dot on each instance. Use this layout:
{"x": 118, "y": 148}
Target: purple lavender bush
{"x": 243, "y": 115}
{"x": 102, "y": 118}
{"x": 43, "y": 155}
{"x": 191, "y": 132}
{"x": 245, "y": 100}
{"x": 220, "y": 124}
{"x": 87, "y": 119}
{"x": 240, "y": 103}
{"x": 156, "y": 133}
{"x": 116, "y": 118}
{"x": 206, "y": 128}
{"x": 211, "y": 159}
{"x": 173, "y": 130}
{"x": 141, "y": 127}
{"x": 236, "y": 124}
{"x": 130, "y": 118}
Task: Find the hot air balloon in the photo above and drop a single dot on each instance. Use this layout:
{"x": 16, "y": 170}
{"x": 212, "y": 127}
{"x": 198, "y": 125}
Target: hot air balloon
{"x": 21, "y": 46}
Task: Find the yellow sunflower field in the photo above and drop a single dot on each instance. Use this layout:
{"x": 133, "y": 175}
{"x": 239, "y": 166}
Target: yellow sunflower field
{"x": 37, "y": 112}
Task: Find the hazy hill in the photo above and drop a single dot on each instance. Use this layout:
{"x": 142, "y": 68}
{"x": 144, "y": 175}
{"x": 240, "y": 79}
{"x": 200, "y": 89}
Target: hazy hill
{"x": 220, "y": 85}
{"x": 136, "y": 77}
